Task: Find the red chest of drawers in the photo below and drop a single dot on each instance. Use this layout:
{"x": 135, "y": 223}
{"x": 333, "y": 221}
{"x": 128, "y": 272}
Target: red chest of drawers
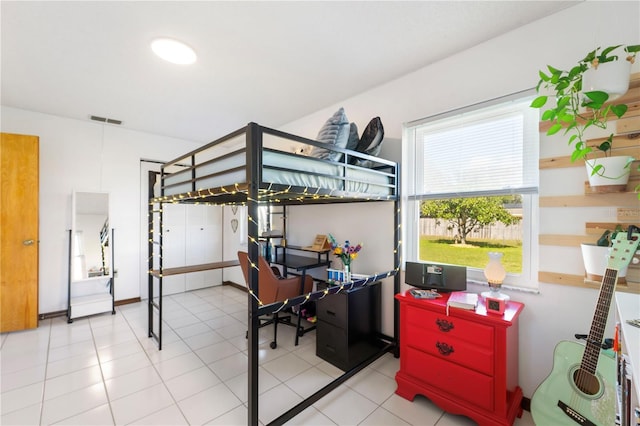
{"x": 466, "y": 362}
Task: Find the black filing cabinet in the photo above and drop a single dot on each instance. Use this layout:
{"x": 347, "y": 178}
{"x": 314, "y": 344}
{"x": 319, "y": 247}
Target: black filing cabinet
{"x": 347, "y": 326}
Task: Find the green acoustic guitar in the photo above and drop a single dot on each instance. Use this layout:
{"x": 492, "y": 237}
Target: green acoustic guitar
{"x": 581, "y": 388}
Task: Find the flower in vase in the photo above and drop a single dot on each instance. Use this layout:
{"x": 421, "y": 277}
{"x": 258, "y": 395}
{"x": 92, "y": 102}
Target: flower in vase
{"x": 346, "y": 252}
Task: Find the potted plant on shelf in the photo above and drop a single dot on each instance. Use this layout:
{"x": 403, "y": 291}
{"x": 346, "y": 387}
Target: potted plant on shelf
{"x": 596, "y": 256}
{"x": 579, "y": 106}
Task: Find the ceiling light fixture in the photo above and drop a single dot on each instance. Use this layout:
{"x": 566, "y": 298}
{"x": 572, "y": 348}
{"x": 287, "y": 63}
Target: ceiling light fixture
{"x": 173, "y": 51}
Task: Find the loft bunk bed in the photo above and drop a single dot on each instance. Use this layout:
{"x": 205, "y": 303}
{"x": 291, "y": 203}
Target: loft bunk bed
{"x": 255, "y": 166}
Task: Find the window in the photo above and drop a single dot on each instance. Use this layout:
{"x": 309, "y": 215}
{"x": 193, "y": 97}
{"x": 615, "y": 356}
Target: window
{"x": 470, "y": 186}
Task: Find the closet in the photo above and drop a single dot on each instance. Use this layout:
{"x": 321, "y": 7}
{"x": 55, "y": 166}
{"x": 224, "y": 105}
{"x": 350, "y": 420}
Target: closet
{"x": 192, "y": 236}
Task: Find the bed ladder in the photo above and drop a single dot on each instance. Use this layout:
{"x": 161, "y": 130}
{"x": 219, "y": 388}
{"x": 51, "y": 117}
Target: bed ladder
{"x": 155, "y": 264}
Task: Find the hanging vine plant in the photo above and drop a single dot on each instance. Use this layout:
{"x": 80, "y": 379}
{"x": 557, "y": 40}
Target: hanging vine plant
{"x": 575, "y": 110}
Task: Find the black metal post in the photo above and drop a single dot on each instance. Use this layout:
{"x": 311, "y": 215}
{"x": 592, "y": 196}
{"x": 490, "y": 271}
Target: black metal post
{"x": 69, "y": 320}
{"x": 253, "y": 153}
{"x": 113, "y": 272}
{"x": 150, "y": 194}
{"x": 397, "y": 259}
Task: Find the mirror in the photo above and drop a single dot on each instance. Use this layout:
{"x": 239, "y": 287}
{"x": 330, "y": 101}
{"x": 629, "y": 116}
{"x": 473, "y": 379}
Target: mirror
{"x": 91, "y": 251}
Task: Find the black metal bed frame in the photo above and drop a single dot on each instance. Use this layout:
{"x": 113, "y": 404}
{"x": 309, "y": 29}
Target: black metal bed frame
{"x": 253, "y": 193}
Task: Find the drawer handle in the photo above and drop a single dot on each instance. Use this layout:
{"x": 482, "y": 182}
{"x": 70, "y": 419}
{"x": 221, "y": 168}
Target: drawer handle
{"x": 331, "y": 313}
{"x": 444, "y": 325}
{"x": 444, "y": 349}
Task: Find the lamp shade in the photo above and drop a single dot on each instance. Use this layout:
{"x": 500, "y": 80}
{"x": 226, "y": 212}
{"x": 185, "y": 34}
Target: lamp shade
{"x": 494, "y": 271}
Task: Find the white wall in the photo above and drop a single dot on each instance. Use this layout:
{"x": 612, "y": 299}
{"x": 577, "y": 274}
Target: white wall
{"x": 505, "y": 65}
{"x": 87, "y": 156}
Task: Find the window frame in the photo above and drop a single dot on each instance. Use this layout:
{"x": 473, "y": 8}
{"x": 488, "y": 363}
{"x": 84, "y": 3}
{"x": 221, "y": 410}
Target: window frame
{"x": 412, "y": 196}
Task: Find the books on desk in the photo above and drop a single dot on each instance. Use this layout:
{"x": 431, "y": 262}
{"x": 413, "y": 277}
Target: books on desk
{"x": 462, "y": 300}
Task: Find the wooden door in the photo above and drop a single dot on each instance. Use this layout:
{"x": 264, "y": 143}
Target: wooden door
{"x": 19, "y": 165}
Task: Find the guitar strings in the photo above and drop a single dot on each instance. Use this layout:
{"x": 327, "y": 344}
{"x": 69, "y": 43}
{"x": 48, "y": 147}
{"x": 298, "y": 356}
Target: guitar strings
{"x": 586, "y": 378}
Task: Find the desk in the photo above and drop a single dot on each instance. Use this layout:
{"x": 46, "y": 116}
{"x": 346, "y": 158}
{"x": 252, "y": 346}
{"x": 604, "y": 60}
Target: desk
{"x": 299, "y": 264}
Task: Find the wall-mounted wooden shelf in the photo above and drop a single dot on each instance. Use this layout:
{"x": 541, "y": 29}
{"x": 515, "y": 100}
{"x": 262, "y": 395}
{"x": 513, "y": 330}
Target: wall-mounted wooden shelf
{"x": 580, "y": 281}
{"x": 631, "y": 98}
{"x": 194, "y": 268}
{"x": 623, "y": 145}
{"x": 626, "y": 142}
{"x": 627, "y": 200}
{"x": 593, "y": 231}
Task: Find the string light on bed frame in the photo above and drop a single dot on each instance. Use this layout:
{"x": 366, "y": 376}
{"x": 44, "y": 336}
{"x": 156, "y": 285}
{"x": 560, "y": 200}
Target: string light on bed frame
{"x": 269, "y": 195}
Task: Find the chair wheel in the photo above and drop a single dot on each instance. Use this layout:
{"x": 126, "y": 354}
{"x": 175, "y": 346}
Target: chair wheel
{"x": 273, "y": 345}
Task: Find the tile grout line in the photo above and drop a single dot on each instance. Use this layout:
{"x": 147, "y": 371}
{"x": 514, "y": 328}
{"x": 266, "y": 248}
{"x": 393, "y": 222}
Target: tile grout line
{"x": 104, "y": 386}
{"x": 205, "y": 364}
{"x": 154, "y": 369}
{"x": 175, "y": 402}
{"x": 46, "y": 367}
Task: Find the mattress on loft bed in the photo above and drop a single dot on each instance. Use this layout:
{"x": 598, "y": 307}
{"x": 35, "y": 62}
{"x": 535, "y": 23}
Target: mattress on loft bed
{"x": 286, "y": 169}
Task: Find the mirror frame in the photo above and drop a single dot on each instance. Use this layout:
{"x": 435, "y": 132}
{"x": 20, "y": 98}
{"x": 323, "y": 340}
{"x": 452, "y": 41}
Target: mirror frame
{"x": 74, "y": 228}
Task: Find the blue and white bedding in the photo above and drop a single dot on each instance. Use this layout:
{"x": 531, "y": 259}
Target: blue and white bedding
{"x": 225, "y": 165}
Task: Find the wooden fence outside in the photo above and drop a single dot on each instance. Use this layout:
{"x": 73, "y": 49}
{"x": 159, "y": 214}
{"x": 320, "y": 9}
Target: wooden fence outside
{"x": 499, "y": 231}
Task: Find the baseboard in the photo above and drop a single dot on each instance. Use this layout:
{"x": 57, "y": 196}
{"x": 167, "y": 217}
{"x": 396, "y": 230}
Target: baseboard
{"x": 127, "y": 301}
{"x": 49, "y": 315}
{"x": 55, "y": 314}
{"x": 235, "y": 285}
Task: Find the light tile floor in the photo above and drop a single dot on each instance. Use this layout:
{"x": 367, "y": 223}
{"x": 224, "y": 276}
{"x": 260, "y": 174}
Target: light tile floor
{"x": 104, "y": 370}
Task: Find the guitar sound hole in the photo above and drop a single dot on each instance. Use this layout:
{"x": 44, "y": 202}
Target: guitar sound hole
{"x": 586, "y": 382}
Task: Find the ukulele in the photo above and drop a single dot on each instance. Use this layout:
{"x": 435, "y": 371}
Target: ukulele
{"x": 581, "y": 388}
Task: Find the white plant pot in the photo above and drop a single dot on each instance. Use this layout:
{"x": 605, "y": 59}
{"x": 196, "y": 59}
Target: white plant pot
{"x": 613, "y": 177}
{"x": 610, "y": 77}
{"x": 596, "y": 259}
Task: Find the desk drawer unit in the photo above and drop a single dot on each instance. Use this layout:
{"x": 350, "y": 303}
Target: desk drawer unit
{"x": 466, "y": 362}
{"x": 346, "y": 326}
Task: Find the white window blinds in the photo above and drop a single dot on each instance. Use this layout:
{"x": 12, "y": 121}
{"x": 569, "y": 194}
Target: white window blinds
{"x": 486, "y": 152}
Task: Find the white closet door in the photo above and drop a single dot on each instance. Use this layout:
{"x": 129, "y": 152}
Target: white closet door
{"x": 213, "y": 246}
{"x": 173, "y": 247}
{"x": 203, "y": 244}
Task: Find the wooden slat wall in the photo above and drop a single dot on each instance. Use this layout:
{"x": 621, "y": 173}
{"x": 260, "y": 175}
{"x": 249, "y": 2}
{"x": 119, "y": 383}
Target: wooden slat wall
{"x": 631, "y": 98}
{"x": 626, "y": 203}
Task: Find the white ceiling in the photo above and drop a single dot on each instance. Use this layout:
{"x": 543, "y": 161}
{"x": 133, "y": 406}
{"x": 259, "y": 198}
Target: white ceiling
{"x": 268, "y": 62}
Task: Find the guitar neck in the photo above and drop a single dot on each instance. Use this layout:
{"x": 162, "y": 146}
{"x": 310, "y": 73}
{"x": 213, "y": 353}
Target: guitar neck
{"x": 594, "y": 341}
